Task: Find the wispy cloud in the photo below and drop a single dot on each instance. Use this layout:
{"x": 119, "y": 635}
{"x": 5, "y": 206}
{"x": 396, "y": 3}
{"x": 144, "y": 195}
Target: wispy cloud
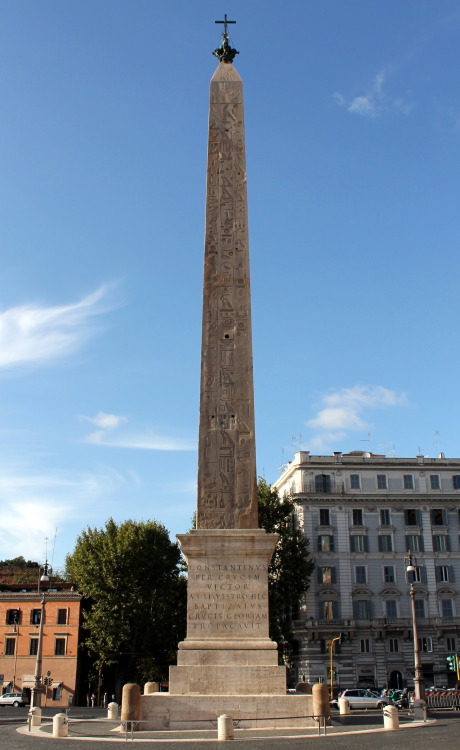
{"x": 34, "y": 505}
{"x": 110, "y": 435}
{"x": 343, "y": 411}
{"x": 375, "y": 100}
{"x": 35, "y": 335}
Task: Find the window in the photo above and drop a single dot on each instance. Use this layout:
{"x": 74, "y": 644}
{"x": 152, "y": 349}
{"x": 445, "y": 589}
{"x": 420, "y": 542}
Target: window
{"x": 365, "y": 645}
{"x": 391, "y": 608}
{"x": 389, "y": 574}
{"x": 355, "y": 481}
{"x": 435, "y": 483}
{"x": 385, "y": 518}
{"x": 327, "y": 608}
{"x": 324, "y": 517}
{"x": 456, "y": 481}
{"x": 362, "y": 609}
{"x": 10, "y": 646}
{"x": 385, "y": 543}
{"x": 57, "y": 693}
{"x": 382, "y": 482}
{"x": 393, "y": 645}
{"x": 425, "y": 644}
{"x": 322, "y": 483}
{"x": 357, "y": 517}
{"x": 408, "y": 480}
{"x": 414, "y": 543}
{"x": 441, "y": 543}
{"x": 420, "y": 608}
{"x": 444, "y": 573}
{"x": 325, "y": 543}
{"x": 33, "y": 647}
{"x": 412, "y": 517}
{"x": 447, "y": 608}
{"x": 326, "y": 574}
{"x": 451, "y": 644}
{"x": 418, "y": 575}
{"x": 360, "y": 574}
{"x": 62, "y": 617}
{"x": 438, "y": 517}
{"x": 59, "y": 647}
{"x": 359, "y": 543}
{"x": 35, "y": 616}
{"x": 12, "y": 616}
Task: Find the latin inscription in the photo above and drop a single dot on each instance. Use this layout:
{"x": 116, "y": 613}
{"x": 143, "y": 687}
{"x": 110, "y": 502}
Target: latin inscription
{"x": 227, "y": 598}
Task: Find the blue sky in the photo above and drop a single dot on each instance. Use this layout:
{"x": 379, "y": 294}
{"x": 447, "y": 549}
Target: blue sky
{"x": 353, "y": 155}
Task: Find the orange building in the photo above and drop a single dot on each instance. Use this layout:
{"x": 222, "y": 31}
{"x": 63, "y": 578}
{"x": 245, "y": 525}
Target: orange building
{"x": 20, "y": 614}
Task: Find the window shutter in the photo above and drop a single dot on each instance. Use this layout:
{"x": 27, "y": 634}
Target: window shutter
{"x": 366, "y": 544}
{"x": 332, "y": 543}
{"x": 370, "y": 610}
{"x": 445, "y": 520}
{"x": 335, "y": 610}
{"x": 319, "y": 544}
{"x": 423, "y": 577}
{"x": 418, "y": 517}
{"x": 320, "y": 575}
{"x": 356, "y": 610}
{"x": 451, "y": 573}
{"x": 407, "y": 544}
{"x": 421, "y": 543}
{"x": 447, "y": 543}
{"x": 333, "y": 575}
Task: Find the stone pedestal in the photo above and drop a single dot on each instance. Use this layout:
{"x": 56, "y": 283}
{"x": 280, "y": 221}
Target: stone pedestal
{"x": 227, "y": 650}
{"x": 227, "y": 662}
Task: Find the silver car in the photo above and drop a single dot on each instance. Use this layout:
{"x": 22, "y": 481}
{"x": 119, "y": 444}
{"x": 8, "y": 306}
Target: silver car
{"x": 13, "y": 699}
{"x": 361, "y": 699}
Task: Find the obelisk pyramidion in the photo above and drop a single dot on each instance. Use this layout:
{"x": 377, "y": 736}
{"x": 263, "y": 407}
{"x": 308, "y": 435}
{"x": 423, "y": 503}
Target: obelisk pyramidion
{"x": 227, "y": 662}
{"x": 227, "y": 496}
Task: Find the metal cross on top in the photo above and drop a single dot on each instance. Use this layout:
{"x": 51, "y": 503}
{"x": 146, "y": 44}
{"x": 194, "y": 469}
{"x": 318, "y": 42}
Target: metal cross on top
{"x": 225, "y": 22}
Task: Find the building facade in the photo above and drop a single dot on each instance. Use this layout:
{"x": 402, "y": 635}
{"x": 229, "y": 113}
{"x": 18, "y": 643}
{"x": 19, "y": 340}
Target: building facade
{"x": 363, "y": 514}
{"x": 20, "y": 615}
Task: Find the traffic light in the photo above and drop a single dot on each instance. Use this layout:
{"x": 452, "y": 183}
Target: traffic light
{"x": 452, "y": 662}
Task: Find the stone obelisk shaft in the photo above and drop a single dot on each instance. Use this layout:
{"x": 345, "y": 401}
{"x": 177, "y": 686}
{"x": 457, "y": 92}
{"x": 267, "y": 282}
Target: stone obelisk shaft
{"x": 227, "y": 496}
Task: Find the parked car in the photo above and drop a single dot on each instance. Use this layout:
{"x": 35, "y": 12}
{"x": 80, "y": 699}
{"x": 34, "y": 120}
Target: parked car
{"x": 361, "y": 699}
{"x": 13, "y": 699}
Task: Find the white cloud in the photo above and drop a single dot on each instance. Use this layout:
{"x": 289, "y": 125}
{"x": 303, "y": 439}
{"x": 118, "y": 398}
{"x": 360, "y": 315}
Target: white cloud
{"x": 32, "y": 334}
{"x": 34, "y": 505}
{"x": 142, "y": 440}
{"x": 342, "y": 411}
{"x": 372, "y": 103}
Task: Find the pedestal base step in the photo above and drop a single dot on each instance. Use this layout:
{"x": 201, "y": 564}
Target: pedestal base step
{"x": 164, "y": 711}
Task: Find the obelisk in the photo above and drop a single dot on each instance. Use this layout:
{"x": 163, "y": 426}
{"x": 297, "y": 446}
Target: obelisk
{"x": 227, "y": 554}
{"x": 227, "y": 493}
{"x": 227, "y": 662}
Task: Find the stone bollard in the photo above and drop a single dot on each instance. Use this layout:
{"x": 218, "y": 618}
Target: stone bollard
{"x": 35, "y": 715}
{"x": 420, "y": 711}
{"x": 112, "y": 711}
{"x": 390, "y": 717}
{"x": 151, "y": 687}
{"x": 303, "y": 687}
{"x": 60, "y": 725}
{"x": 131, "y": 704}
{"x": 225, "y": 729}
{"x": 321, "y": 707}
{"x": 344, "y": 706}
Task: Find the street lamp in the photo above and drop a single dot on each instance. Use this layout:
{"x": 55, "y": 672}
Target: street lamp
{"x": 37, "y": 689}
{"x": 331, "y": 665}
{"x": 410, "y": 563}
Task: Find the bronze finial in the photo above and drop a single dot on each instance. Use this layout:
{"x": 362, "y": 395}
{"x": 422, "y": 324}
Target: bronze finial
{"x": 225, "y": 53}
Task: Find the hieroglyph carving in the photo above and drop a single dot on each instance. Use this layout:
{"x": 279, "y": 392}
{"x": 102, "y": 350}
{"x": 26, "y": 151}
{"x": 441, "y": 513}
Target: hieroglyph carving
{"x": 226, "y": 462}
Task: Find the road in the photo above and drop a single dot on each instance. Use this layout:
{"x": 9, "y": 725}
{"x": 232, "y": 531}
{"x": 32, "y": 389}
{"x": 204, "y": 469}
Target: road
{"x": 442, "y": 735}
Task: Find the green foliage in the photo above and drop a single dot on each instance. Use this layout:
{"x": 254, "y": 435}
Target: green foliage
{"x": 130, "y": 575}
{"x": 19, "y": 562}
{"x": 291, "y": 566}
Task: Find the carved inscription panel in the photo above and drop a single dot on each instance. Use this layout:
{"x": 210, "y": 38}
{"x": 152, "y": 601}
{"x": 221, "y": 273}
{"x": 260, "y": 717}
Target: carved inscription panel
{"x": 227, "y": 600}
{"x": 226, "y": 463}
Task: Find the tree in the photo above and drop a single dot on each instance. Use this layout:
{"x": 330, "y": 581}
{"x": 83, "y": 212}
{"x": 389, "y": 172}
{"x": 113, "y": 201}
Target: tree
{"x": 291, "y": 566}
{"x": 134, "y": 615}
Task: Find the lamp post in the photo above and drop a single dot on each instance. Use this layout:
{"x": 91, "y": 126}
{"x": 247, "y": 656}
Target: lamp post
{"x": 410, "y": 563}
{"x": 36, "y": 698}
{"x": 331, "y": 665}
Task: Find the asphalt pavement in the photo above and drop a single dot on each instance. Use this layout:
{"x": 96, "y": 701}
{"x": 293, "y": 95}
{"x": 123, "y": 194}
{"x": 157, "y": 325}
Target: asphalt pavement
{"x": 363, "y": 730}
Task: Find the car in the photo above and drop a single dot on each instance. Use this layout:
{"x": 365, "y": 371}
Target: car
{"x": 361, "y": 699}
{"x": 13, "y": 699}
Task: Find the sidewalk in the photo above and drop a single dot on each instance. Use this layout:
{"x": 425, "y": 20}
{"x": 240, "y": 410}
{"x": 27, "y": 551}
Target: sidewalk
{"x": 105, "y": 730}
